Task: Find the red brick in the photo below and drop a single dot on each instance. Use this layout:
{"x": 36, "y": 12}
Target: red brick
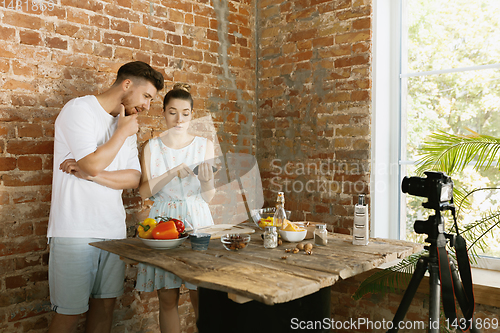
{"x": 100, "y": 21}
{"x": 201, "y": 21}
{"x": 123, "y": 40}
{"x": 139, "y": 30}
{"x": 91, "y": 5}
{"x": 30, "y": 37}
{"x": 19, "y": 19}
{"x": 13, "y": 282}
{"x": 361, "y": 95}
{"x": 7, "y": 33}
{"x": 56, "y": 43}
{"x": 362, "y": 47}
{"x": 163, "y": 24}
{"x": 351, "y": 61}
{"x": 302, "y": 35}
{"x": 21, "y": 147}
{"x": 29, "y": 163}
{"x": 27, "y": 179}
{"x": 238, "y": 19}
{"x": 353, "y": 37}
{"x": 120, "y": 25}
{"x": 124, "y": 3}
{"x": 67, "y": 29}
{"x": 7, "y": 163}
{"x": 30, "y": 130}
{"x": 186, "y": 53}
{"x": 350, "y": 14}
{"x": 77, "y": 16}
{"x": 187, "y": 41}
{"x": 362, "y": 23}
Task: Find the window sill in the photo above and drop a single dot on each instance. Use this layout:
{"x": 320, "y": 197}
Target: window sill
{"x": 486, "y": 286}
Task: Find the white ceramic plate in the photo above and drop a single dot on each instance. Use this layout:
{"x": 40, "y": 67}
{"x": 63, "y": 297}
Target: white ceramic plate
{"x": 163, "y": 243}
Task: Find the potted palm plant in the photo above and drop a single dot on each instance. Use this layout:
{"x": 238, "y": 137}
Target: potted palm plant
{"x": 451, "y": 154}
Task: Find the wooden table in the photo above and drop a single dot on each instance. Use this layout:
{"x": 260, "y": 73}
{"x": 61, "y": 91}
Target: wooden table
{"x": 263, "y": 274}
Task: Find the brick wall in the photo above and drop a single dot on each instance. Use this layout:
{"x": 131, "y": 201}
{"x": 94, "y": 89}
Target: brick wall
{"x": 304, "y": 105}
{"x": 73, "y": 48}
{"x": 314, "y": 95}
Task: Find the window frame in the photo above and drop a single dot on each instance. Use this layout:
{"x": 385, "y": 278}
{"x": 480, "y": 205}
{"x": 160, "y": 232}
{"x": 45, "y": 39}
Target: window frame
{"x": 388, "y": 166}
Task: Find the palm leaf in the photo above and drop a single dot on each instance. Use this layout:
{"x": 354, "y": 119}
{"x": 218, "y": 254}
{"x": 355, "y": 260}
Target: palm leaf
{"x": 451, "y": 153}
{"x": 474, "y": 233}
{"x": 462, "y": 197}
{"x": 389, "y": 279}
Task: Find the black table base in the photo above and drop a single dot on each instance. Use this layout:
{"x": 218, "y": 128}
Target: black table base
{"x": 218, "y": 314}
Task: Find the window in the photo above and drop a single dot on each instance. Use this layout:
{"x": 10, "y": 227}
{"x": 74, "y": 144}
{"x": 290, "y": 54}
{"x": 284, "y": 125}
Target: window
{"x": 436, "y": 67}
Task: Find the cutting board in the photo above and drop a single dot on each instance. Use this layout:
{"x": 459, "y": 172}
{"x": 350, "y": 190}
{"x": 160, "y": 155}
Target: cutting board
{"x": 218, "y": 230}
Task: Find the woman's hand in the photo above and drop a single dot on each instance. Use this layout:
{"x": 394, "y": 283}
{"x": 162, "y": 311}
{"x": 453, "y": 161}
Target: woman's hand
{"x": 182, "y": 171}
{"x": 205, "y": 172}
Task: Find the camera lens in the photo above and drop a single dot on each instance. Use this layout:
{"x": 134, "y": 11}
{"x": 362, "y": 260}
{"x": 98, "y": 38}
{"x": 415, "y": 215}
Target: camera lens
{"x": 414, "y": 186}
{"x": 421, "y": 227}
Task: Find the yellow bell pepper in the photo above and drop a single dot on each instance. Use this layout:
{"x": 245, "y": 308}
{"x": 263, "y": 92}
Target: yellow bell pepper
{"x": 145, "y": 228}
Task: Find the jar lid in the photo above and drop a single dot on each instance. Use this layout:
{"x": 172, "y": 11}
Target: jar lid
{"x": 321, "y": 226}
{"x": 271, "y": 228}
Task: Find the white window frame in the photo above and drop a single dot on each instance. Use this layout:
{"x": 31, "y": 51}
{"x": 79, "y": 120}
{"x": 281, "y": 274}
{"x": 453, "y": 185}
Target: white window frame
{"x": 387, "y": 164}
{"x": 385, "y": 176}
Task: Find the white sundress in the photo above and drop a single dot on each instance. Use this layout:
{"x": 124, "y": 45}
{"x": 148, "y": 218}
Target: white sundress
{"x": 181, "y": 199}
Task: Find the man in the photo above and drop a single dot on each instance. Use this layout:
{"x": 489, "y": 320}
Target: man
{"x": 95, "y": 159}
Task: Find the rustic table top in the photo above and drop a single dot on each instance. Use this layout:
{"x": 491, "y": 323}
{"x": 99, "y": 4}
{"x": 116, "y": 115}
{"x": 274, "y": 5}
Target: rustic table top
{"x": 264, "y": 274}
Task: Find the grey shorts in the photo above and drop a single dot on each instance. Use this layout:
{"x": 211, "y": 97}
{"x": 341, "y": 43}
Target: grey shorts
{"x": 78, "y": 271}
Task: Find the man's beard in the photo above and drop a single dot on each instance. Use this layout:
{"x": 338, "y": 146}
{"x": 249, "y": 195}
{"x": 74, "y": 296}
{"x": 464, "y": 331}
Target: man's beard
{"x": 129, "y": 108}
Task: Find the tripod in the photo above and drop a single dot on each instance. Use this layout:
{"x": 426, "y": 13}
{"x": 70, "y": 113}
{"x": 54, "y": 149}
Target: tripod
{"x": 430, "y": 263}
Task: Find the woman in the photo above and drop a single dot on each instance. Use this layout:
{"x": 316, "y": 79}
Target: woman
{"x": 168, "y": 178}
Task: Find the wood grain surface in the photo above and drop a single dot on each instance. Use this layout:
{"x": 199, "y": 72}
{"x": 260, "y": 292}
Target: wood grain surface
{"x": 266, "y": 275}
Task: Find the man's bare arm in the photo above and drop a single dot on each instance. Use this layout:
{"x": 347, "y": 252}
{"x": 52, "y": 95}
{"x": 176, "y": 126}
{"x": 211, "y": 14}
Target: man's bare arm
{"x": 97, "y": 161}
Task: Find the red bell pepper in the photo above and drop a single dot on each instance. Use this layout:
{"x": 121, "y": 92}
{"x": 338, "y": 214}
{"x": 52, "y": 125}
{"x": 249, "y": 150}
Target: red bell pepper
{"x": 178, "y": 223}
{"x": 165, "y": 230}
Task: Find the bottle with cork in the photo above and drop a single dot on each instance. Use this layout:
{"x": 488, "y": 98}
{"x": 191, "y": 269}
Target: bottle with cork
{"x": 280, "y": 214}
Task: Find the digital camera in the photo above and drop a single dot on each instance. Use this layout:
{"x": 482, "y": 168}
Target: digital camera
{"x": 437, "y": 188}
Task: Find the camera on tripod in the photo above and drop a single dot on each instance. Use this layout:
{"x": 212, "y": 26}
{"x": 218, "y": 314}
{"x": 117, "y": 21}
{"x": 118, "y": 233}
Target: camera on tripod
{"x": 437, "y": 188}
{"x": 444, "y": 279}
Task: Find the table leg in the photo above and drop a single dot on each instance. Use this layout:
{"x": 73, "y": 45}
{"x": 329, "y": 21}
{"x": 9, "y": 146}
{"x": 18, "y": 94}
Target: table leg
{"x": 218, "y": 313}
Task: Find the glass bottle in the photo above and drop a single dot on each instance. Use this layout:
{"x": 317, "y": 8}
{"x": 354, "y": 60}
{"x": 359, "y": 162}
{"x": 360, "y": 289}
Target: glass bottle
{"x": 280, "y": 214}
{"x": 270, "y": 237}
{"x": 320, "y": 235}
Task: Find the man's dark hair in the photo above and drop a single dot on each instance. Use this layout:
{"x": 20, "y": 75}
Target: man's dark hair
{"x": 140, "y": 70}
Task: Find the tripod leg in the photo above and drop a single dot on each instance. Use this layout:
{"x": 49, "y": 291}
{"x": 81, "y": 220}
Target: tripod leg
{"x": 460, "y": 294}
{"x": 420, "y": 270}
{"x": 434, "y": 298}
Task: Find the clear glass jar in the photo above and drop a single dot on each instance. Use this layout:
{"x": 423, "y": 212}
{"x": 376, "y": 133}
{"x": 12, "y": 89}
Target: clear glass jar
{"x": 270, "y": 237}
{"x": 320, "y": 235}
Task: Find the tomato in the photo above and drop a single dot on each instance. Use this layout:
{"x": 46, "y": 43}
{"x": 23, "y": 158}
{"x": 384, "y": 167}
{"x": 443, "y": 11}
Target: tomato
{"x": 165, "y": 230}
{"x": 179, "y": 225}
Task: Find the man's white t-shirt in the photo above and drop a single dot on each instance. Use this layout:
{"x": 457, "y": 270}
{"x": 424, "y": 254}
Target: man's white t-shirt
{"x": 82, "y": 208}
